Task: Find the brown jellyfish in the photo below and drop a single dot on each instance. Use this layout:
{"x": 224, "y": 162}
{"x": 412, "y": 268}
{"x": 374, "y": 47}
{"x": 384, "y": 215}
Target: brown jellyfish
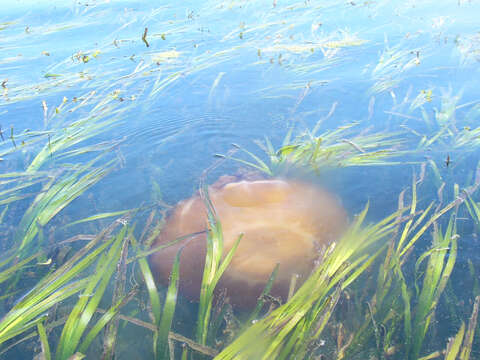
{"x": 283, "y": 222}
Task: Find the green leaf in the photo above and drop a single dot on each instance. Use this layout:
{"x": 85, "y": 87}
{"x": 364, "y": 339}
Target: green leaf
{"x": 168, "y": 310}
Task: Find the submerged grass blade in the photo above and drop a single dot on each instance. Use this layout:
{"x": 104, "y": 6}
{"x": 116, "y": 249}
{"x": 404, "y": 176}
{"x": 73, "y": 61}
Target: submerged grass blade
{"x": 13, "y": 269}
{"x": 265, "y": 291}
{"x": 19, "y": 321}
{"x": 99, "y": 217}
{"x": 453, "y": 346}
{"x": 87, "y": 304}
{"x": 168, "y": 311}
{"x": 276, "y": 335}
{"x": 150, "y": 284}
{"x": 119, "y": 294}
{"x": 51, "y": 290}
{"x": 44, "y": 341}
{"x": 434, "y": 281}
{"x": 213, "y": 270}
{"x": 56, "y": 197}
{"x": 103, "y": 321}
{"x": 469, "y": 336}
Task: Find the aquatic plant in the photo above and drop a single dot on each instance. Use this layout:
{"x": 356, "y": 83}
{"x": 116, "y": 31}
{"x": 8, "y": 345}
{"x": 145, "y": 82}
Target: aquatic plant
{"x": 401, "y": 302}
{"x": 331, "y": 149}
{"x": 292, "y": 329}
{"x": 70, "y": 284}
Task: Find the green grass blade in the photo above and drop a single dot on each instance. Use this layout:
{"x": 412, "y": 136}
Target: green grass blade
{"x": 453, "y": 347}
{"x": 89, "y": 300}
{"x": 226, "y": 261}
{"x": 168, "y": 310}
{"x": 435, "y": 279}
{"x": 99, "y": 217}
{"x": 260, "y": 162}
{"x": 277, "y": 334}
{"x": 150, "y": 284}
{"x": 55, "y": 197}
{"x": 17, "y": 322}
{"x": 213, "y": 269}
{"x": 103, "y": 321}
{"x": 265, "y": 291}
{"x": 44, "y": 341}
{"x": 469, "y": 336}
{"x": 12, "y": 270}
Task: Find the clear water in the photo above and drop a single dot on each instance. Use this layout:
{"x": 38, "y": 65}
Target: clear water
{"x": 216, "y": 73}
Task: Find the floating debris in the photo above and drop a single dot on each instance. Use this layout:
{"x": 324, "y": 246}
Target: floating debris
{"x": 144, "y": 37}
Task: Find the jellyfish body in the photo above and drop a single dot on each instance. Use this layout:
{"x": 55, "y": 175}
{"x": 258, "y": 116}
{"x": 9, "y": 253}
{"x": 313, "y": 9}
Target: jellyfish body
{"x": 283, "y": 222}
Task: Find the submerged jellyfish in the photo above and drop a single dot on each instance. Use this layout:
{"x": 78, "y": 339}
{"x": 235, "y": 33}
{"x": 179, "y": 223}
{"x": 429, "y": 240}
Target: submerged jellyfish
{"x": 283, "y": 222}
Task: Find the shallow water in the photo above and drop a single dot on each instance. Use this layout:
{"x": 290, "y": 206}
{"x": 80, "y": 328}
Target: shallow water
{"x": 216, "y": 73}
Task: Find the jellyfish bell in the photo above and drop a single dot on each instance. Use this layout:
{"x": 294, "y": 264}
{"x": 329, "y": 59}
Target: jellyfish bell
{"x": 283, "y": 222}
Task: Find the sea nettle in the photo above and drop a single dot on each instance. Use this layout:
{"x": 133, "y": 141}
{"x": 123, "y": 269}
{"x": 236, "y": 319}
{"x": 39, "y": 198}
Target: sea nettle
{"x": 283, "y": 222}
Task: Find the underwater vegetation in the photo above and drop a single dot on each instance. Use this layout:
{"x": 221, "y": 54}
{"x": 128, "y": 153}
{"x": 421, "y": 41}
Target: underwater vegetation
{"x": 264, "y": 258}
{"x": 367, "y": 294}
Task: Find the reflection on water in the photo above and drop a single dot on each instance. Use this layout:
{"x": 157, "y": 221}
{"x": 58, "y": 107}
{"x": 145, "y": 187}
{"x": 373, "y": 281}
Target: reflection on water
{"x": 110, "y": 106}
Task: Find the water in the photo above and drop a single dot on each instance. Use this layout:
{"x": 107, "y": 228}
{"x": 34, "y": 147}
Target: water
{"x": 209, "y": 74}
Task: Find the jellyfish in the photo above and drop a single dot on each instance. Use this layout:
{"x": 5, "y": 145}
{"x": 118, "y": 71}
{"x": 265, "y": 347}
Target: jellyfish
{"x": 283, "y": 222}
